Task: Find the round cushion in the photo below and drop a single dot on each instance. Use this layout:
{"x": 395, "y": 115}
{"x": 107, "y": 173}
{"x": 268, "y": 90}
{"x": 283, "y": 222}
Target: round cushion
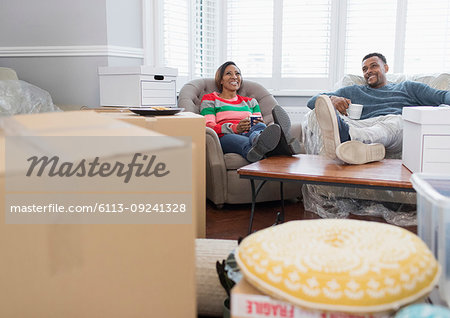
{"x": 339, "y": 265}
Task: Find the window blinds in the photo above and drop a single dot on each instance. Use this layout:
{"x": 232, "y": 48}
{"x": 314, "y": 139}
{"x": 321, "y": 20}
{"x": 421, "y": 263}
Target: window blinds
{"x": 370, "y": 27}
{"x": 427, "y": 44}
{"x": 303, "y": 44}
{"x": 306, "y": 35}
{"x": 250, "y": 36}
{"x": 193, "y": 50}
{"x": 176, "y": 35}
{"x": 206, "y": 50}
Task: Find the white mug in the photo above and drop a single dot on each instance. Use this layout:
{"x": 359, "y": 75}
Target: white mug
{"x": 253, "y": 119}
{"x": 354, "y": 111}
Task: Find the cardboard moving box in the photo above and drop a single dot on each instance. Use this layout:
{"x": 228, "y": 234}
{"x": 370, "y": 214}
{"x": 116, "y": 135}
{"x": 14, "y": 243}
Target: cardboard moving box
{"x": 249, "y": 302}
{"x": 92, "y": 270}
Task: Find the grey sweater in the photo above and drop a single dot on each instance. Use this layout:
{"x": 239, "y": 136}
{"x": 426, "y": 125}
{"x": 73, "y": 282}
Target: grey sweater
{"x": 391, "y": 98}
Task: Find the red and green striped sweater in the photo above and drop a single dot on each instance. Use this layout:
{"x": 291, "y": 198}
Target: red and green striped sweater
{"x": 223, "y": 115}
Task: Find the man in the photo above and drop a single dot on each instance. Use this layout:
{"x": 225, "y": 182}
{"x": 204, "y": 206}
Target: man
{"x": 380, "y": 127}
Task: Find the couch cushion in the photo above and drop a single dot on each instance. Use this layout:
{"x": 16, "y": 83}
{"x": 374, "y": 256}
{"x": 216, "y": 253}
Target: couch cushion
{"x": 442, "y": 81}
{"x": 339, "y": 265}
{"x": 438, "y": 81}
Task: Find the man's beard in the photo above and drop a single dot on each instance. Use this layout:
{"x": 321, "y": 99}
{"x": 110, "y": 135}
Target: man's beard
{"x": 374, "y": 84}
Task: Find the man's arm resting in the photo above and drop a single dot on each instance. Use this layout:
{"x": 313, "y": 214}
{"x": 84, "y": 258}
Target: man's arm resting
{"x": 312, "y": 102}
{"x": 447, "y": 98}
{"x": 427, "y": 95}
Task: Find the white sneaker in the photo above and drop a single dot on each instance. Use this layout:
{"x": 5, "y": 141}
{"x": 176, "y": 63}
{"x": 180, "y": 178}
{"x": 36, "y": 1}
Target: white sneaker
{"x": 327, "y": 120}
{"x": 355, "y": 152}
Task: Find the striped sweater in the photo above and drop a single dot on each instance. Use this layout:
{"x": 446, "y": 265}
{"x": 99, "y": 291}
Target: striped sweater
{"x": 223, "y": 115}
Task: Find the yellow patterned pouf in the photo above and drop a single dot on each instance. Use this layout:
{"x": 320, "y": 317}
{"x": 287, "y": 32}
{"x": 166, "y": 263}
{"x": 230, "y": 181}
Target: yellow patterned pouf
{"x": 339, "y": 265}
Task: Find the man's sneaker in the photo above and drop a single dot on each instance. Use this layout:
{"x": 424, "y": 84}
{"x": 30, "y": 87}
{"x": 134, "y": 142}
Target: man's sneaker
{"x": 287, "y": 145}
{"x": 266, "y": 141}
{"x": 355, "y": 152}
{"x": 334, "y": 129}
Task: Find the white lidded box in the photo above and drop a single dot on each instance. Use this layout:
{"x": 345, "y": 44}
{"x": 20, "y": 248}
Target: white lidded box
{"x": 433, "y": 221}
{"x": 138, "y": 86}
{"x": 426, "y": 139}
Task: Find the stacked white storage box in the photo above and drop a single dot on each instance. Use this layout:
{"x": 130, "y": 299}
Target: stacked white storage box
{"x": 426, "y": 139}
{"x": 138, "y": 86}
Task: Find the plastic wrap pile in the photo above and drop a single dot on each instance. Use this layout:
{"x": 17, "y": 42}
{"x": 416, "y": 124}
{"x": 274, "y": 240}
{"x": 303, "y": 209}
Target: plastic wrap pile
{"x": 396, "y": 207}
{"x": 20, "y": 97}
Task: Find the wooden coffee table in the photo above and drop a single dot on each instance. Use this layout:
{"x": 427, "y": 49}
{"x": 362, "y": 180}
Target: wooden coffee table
{"x": 388, "y": 174}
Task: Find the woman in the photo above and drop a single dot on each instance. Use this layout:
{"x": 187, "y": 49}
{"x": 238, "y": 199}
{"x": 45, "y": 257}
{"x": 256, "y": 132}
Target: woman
{"x": 227, "y": 113}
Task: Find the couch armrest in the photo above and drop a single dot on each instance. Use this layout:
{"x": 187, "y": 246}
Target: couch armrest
{"x": 216, "y": 172}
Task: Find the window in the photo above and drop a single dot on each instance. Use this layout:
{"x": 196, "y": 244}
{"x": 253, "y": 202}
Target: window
{"x": 302, "y": 46}
{"x": 250, "y": 36}
{"x": 205, "y": 39}
{"x": 306, "y": 38}
{"x": 182, "y": 34}
{"x": 427, "y": 43}
{"x": 176, "y": 35}
{"x": 370, "y": 27}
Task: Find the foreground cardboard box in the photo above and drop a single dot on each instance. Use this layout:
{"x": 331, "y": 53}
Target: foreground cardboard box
{"x": 248, "y": 302}
{"x": 181, "y": 124}
{"x": 92, "y": 270}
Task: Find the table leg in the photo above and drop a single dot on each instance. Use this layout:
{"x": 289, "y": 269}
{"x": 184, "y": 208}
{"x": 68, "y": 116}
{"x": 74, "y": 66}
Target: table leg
{"x": 254, "y": 195}
{"x": 282, "y": 201}
{"x": 280, "y": 215}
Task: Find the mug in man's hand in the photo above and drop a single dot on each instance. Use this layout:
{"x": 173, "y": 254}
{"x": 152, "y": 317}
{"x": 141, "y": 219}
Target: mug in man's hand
{"x": 354, "y": 111}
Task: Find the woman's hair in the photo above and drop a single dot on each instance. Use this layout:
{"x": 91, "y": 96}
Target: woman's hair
{"x": 219, "y": 74}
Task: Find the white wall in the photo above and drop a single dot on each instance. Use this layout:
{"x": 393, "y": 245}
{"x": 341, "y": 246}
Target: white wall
{"x": 124, "y": 20}
{"x": 52, "y": 22}
{"x": 59, "y": 44}
{"x": 292, "y": 101}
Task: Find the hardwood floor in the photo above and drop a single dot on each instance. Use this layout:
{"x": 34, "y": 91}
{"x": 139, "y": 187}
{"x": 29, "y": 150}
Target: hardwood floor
{"x": 231, "y": 222}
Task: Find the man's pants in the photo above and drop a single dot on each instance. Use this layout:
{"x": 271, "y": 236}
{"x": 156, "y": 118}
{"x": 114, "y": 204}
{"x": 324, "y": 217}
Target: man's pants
{"x": 386, "y": 130}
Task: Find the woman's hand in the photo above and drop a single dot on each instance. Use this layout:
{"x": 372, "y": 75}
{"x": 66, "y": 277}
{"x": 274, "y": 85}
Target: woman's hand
{"x": 258, "y": 120}
{"x": 340, "y": 103}
{"x": 243, "y": 126}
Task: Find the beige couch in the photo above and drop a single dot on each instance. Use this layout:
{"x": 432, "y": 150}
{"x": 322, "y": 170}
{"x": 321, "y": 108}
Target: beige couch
{"x": 325, "y": 199}
{"x": 312, "y": 131}
{"x": 438, "y": 81}
{"x": 223, "y": 184}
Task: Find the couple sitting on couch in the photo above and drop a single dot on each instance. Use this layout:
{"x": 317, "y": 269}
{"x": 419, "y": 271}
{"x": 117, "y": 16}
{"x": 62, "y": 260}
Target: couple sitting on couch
{"x": 352, "y": 141}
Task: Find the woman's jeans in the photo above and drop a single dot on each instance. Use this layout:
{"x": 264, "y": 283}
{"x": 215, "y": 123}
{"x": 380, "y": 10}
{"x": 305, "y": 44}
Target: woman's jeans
{"x": 241, "y": 143}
